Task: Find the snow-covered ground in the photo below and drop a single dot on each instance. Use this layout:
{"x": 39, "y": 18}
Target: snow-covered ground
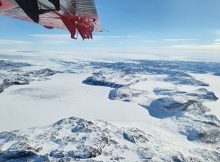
{"x": 214, "y": 82}
{"x": 42, "y": 103}
{"x": 132, "y": 110}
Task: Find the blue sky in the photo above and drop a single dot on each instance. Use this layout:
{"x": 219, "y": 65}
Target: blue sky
{"x": 130, "y": 26}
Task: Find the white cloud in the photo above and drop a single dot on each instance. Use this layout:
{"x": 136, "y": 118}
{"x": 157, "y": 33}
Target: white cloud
{"x": 58, "y": 37}
{"x": 54, "y": 42}
{"x": 147, "y": 41}
{"x": 217, "y": 40}
{"x": 178, "y": 39}
{"x": 51, "y": 36}
{"x": 200, "y": 47}
{"x": 13, "y": 42}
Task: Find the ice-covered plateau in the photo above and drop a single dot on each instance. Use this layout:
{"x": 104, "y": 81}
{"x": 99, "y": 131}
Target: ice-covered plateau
{"x": 167, "y": 90}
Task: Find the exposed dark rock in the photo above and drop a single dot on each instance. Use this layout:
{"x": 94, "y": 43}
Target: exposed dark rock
{"x": 169, "y": 92}
{"x": 1, "y": 89}
{"x": 86, "y": 152}
{"x": 127, "y": 94}
{"x": 179, "y": 158}
{"x": 203, "y": 93}
{"x": 128, "y": 137}
{"x": 57, "y": 154}
{"x": 94, "y": 81}
{"x": 21, "y": 156}
{"x": 217, "y": 74}
{"x": 102, "y": 141}
{"x": 11, "y": 65}
{"x": 24, "y": 78}
{"x": 16, "y": 81}
{"x": 186, "y": 81}
{"x": 211, "y": 136}
{"x": 80, "y": 128}
{"x": 41, "y": 73}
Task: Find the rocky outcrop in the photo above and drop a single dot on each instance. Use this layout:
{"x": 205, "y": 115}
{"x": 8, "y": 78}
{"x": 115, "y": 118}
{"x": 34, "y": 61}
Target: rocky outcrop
{"x": 12, "y": 65}
{"x": 112, "y": 79}
{"x": 185, "y": 110}
{"x": 1, "y": 88}
{"x": 102, "y": 79}
{"x": 97, "y": 82}
{"x": 42, "y": 73}
{"x": 75, "y": 139}
{"x": 191, "y": 118}
{"x": 217, "y": 74}
{"x": 168, "y": 92}
{"x": 21, "y": 156}
{"x": 200, "y": 94}
{"x": 176, "y": 71}
{"x": 189, "y": 80}
{"x": 204, "y": 94}
{"x": 127, "y": 94}
{"x": 26, "y": 77}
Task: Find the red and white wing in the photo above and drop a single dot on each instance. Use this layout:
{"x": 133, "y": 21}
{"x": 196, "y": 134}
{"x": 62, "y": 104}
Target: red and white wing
{"x": 75, "y": 15}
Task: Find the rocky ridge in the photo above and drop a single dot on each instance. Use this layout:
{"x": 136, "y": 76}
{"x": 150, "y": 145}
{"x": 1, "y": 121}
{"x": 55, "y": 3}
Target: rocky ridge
{"x": 75, "y": 139}
{"x": 13, "y": 74}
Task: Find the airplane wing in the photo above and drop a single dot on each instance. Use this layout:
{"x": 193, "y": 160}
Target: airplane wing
{"x": 77, "y": 16}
